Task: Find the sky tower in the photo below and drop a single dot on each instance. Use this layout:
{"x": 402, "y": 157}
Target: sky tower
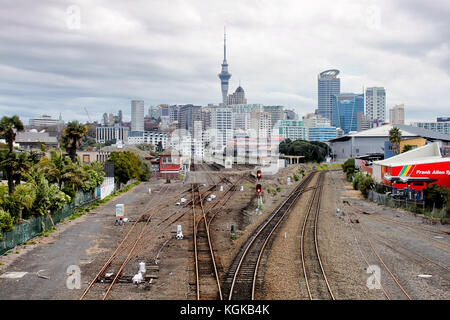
{"x": 224, "y": 75}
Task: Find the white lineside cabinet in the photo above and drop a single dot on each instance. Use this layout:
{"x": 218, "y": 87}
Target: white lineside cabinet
{"x": 120, "y": 210}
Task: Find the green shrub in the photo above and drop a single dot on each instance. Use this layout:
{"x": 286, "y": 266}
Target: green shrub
{"x": 278, "y": 189}
{"x": 367, "y": 183}
{"x": 6, "y": 222}
{"x": 439, "y": 196}
{"x": 349, "y": 166}
{"x": 296, "y": 178}
{"x": 357, "y": 178}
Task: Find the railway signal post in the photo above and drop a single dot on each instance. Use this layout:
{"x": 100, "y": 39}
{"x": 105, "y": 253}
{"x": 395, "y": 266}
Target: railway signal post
{"x": 258, "y": 193}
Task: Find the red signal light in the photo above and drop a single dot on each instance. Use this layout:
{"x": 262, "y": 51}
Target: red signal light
{"x": 258, "y": 174}
{"x": 258, "y": 189}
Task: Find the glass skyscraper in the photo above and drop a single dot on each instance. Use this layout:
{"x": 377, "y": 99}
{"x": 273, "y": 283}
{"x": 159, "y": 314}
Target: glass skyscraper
{"x": 328, "y": 85}
{"x": 345, "y": 108}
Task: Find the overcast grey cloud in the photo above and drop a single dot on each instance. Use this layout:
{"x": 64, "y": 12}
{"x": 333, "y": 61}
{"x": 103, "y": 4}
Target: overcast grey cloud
{"x": 171, "y": 51}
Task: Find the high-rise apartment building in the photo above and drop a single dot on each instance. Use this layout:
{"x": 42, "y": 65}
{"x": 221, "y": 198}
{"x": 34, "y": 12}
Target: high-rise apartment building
{"x": 276, "y": 113}
{"x": 345, "y": 108}
{"x": 222, "y": 124}
{"x": 397, "y": 114}
{"x": 328, "y": 86}
{"x": 376, "y": 103}
{"x": 291, "y": 129}
{"x": 363, "y": 122}
{"x": 261, "y": 122}
{"x": 137, "y": 115}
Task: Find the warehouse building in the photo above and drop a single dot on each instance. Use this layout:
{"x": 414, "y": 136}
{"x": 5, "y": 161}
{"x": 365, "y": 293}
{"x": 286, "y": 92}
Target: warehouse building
{"x": 372, "y": 141}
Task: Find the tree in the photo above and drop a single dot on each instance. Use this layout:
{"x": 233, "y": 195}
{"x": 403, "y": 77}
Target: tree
{"x": 14, "y": 165}
{"x": 127, "y": 166}
{"x": 395, "y": 136}
{"x": 72, "y": 138}
{"x": 21, "y": 201}
{"x": 8, "y": 128}
{"x": 53, "y": 167}
{"x": 407, "y": 147}
{"x": 48, "y": 196}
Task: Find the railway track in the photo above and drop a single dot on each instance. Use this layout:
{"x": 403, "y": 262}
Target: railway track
{"x": 206, "y": 266}
{"x": 316, "y": 279}
{"x": 242, "y": 275}
{"x": 401, "y": 292}
{"x": 127, "y": 246}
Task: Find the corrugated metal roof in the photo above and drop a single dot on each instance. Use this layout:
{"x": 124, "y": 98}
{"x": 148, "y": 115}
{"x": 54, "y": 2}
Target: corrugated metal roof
{"x": 407, "y": 132}
{"x": 30, "y": 137}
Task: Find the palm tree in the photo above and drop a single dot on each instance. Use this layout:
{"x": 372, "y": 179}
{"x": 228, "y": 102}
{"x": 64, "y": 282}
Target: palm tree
{"x": 14, "y": 165}
{"x": 395, "y": 136}
{"x": 8, "y": 128}
{"x": 53, "y": 166}
{"x": 73, "y": 138}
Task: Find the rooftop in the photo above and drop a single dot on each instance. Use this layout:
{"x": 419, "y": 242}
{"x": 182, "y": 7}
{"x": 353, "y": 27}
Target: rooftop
{"x": 407, "y": 132}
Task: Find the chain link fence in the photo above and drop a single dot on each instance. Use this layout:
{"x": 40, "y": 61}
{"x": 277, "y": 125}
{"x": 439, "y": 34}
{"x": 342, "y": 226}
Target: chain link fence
{"x": 30, "y": 228}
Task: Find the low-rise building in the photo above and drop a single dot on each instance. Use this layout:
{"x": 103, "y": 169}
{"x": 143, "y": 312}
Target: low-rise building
{"x": 149, "y": 137}
{"x": 33, "y": 140}
{"x": 372, "y": 141}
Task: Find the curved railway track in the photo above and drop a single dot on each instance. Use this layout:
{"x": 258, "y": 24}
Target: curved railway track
{"x": 242, "y": 275}
{"x": 206, "y": 267}
{"x": 316, "y": 279}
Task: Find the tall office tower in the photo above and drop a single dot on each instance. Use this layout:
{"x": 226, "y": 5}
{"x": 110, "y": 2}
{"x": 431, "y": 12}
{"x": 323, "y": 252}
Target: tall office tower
{"x": 120, "y": 117}
{"x": 345, "y": 108}
{"x": 238, "y": 97}
{"x": 397, "y": 114}
{"x": 328, "y": 85}
{"x": 224, "y": 76}
{"x": 188, "y": 114}
{"x": 376, "y": 103}
{"x": 276, "y": 113}
{"x": 173, "y": 113}
{"x": 137, "y": 115}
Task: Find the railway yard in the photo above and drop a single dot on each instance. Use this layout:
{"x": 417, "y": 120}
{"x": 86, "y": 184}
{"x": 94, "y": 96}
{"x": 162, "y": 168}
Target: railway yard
{"x": 315, "y": 238}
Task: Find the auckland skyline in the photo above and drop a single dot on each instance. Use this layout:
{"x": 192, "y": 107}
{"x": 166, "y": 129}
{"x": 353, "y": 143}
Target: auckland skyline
{"x": 171, "y": 52}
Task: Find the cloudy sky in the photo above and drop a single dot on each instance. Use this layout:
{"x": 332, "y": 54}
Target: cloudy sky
{"x": 62, "y": 56}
